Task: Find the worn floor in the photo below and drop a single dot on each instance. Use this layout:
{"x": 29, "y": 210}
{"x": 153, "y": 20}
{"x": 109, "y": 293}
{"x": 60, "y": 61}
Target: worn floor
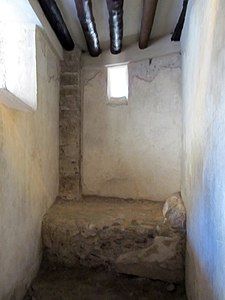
{"x": 69, "y": 284}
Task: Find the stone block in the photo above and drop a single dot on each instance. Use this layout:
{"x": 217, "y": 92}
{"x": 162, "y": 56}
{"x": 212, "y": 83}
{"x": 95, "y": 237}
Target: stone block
{"x": 69, "y": 187}
{"x": 71, "y": 62}
{"x": 163, "y": 260}
{"x": 69, "y": 167}
{"x": 69, "y": 128}
{"x": 174, "y": 211}
{"x": 69, "y": 90}
{"x": 70, "y": 66}
{"x": 69, "y": 103}
{"x": 70, "y": 152}
{"x": 67, "y": 137}
{"x": 70, "y": 78}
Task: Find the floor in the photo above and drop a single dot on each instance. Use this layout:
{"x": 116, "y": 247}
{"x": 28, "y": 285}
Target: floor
{"x": 83, "y": 283}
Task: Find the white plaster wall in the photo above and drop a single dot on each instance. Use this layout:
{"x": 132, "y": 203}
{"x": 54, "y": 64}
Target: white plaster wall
{"x": 133, "y": 151}
{"x": 203, "y": 180}
{"x": 18, "y": 72}
{"x": 28, "y": 176}
{"x": 29, "y": 12}
{"x": 160, "y": 47}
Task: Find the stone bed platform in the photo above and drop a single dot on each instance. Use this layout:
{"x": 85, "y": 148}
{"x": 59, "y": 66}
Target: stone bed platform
{"x": 136, "y": 237}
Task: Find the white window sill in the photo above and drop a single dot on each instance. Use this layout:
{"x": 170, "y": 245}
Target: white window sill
{"x": 117, "y": 101}
{"x": 10, "y": 100}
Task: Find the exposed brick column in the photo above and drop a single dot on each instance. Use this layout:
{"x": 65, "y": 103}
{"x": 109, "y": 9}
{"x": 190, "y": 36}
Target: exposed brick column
{"x": 70, "y": 126}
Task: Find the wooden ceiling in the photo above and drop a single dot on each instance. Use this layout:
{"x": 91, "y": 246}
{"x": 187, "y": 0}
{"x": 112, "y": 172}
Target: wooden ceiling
{"x": 117, "y": 20}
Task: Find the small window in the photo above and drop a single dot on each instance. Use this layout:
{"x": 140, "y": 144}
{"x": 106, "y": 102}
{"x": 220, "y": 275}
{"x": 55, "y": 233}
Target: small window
{"x": 117, "y": 84}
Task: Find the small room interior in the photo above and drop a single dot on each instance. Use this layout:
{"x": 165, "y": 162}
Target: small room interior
{"x": 111, "y": 149}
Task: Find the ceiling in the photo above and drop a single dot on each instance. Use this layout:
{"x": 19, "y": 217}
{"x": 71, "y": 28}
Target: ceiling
{"x": 167, "y": 15}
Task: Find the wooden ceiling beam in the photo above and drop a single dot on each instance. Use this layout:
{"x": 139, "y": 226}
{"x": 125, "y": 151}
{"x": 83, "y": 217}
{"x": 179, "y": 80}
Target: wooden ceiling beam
{"x": 87, "y": 21}
{"x": 115, "y": 8}
{"x": 179, "y": 27}
{"x": 57, "y": 23}
{"x": 149, "y": 10}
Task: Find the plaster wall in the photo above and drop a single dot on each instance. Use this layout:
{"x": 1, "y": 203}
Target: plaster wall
{"x": 133, "y": 151}
{"x": 28, "y": 175}
{"x": 18, "y": 80}
{"x": 203, "y": 184}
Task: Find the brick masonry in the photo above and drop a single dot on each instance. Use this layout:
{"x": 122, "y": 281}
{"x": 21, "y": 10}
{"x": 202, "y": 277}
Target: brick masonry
{"x": 70, "y": 126}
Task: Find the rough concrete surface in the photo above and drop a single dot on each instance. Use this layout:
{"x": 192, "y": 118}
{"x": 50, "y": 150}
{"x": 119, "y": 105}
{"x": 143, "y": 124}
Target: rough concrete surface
{"x": 203, "y": 183}
{"x": 82, "y": 283}
{"x": 134, "y": 150}
{"x": 28, "y": 176}
{"x": 122, "y": 235}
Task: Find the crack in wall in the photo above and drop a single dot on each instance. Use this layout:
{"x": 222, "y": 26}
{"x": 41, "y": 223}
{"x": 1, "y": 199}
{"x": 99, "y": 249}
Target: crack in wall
{"x": 88, "y": 80}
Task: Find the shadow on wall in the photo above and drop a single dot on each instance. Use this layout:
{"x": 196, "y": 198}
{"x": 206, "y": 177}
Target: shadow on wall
{"x": 28, "y": 176}
{"x": 203, "y": 183}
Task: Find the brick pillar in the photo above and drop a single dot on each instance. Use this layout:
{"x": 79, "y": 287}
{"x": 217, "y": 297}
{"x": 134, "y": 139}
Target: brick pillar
{"x": 70, "y": 126}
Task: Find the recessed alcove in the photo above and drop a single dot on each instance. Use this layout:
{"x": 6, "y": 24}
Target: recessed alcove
{"x": 111, "y": 149}
{"x": 18, "y": 73}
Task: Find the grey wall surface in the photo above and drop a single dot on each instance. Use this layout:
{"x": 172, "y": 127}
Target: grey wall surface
{"x": 133, "y": 151}
{"x": 28, "y": 176}
{"x": 203, "y": 179}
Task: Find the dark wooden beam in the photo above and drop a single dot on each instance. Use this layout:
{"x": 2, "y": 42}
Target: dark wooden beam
{"x": 178, "y": 30}
{"x": 87, "y": 21}
{"x": 115, "y": 8}
{"x": 57, "y": 23}
{"x": 149, "y": 10}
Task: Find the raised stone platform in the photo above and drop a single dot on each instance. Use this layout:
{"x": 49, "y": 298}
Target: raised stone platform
{"x": 142, "y": 238}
